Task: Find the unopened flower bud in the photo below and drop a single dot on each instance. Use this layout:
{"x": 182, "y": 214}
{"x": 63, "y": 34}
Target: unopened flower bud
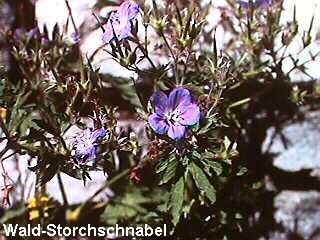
{"x": 306, "y": 40}
{"x": 184, "y": 42}
{"x": 160, "y": 24}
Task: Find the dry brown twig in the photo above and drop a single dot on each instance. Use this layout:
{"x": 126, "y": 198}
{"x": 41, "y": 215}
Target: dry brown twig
{"x": 7, "y": 181}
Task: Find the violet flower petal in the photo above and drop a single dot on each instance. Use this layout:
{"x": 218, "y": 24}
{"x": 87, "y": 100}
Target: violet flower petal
{"x": 179, "y": 96}
{"x": 33, "y": 32}
{"x": 79, "y": 154}
{"x": 107, "y": 35}
{"x": 117, "y": 26}
{"x": 124, "y": 32}
{"x": 177, "y": 132}
{"x": 119, "y": 23}
{"x": 129, "y": 8}
{"x": 75, "y": 37}
{"x": 160, "y": 101}
{"x": 85, "y": 144}
{"x": 45, "y": 41}
{"x": 92, "y": 154}
{"x": 158, "y": 124}
{"x": 99, "y": 134}
{"x": 190, "y": 115}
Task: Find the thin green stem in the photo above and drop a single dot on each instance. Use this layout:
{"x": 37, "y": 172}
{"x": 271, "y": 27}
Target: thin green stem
{"x": 62, "y": 189}
{"x": 71, "y": 16}
{"x": 219, "y": 94}
{"x": 146, "y": 54}
{"x": 109, "y": 184}
{"x": 175, "y": 67}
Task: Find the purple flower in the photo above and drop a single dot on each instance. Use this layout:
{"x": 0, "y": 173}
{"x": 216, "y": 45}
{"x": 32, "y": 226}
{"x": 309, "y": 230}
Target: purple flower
{"x": 19, "y": 34}
{"x": 72, "y": 39}
{"x": 256, "y": 3}
{"x": 119, "y": 23}
{"x": 45, "y": 41}
{"x": 75, "y": 37}
{"x": 33, "y": 32}
{"x": 174, "y": 114}
{"x": 86, "y": 144}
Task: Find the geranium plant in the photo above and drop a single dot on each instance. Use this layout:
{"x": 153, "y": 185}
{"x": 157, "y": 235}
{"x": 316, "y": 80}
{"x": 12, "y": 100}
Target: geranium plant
{"x": 198, "y": 167}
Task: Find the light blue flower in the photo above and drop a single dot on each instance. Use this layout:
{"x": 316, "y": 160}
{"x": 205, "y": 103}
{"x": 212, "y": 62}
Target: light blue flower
{"x": 86, "y": 143}
{"x": 174, "y": 114}
{"x": 119, "y": 23}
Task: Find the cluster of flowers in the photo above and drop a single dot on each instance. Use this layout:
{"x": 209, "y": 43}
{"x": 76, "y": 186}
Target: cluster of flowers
{"x": 119, "y": 24}
{"x": 173, "y": 114}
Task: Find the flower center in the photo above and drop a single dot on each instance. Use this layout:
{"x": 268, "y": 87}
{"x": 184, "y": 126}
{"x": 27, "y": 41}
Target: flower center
{"x": 173, "y": 115}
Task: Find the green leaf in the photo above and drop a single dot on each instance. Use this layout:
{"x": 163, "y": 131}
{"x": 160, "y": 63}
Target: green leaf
{"x": 215, "y": 166}
{"x": 202, "y": 182}
{"x": 208, "y": 155}
{"x": 242, "y": 171}
{"x": 72, "y": 172}
{"x": 196, "y": 154}
{"x": 113, "y": 214}
{"x": 176, "y": 200}
{"x": 47, "y": 173}
{"x": 161, "y": 166}
{"x": 11, "y": 214}
{"x": 130, "y": 205}
{"x": 49, "y": 165}
{"x": 169, "y": 172}
{"x": 207, "y": 127}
